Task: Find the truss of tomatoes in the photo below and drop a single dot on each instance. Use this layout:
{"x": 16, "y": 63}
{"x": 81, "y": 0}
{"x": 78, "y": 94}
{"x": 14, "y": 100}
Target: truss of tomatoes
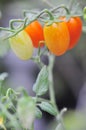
{"x": 58, "y": 37}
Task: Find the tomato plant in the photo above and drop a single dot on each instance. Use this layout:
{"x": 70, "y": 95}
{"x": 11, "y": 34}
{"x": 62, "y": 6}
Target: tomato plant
{"x": 74, "y": 25}
{"x": 57, "y": 38}
{"x": 35, "y": 31}
{"x": 21, "y": 44}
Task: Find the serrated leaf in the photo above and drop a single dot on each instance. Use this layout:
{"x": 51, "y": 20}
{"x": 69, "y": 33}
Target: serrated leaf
{"x": 48, "y": 107}
{"x": 26, "y": 111}
{"x": 41, "y": 85}
{"x": 38, "y": 113}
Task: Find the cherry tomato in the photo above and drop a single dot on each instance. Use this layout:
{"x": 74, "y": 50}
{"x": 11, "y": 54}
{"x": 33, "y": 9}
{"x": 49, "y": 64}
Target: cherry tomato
{"x": 22, "y": 46}
{"x": 74, "y": 25}
{"x": 57, "y": 38}
{"x": 35, "y": 31}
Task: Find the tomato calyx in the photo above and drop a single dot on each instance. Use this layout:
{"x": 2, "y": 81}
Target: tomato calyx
{"x": 55, "y": 20}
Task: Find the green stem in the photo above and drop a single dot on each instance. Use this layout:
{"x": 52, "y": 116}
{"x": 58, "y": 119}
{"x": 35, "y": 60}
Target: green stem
{"x": 25, "y": 12}
{"x": 6, "y": 29}
{"x": 19, "y": 30}
{"x": 51, "y": 84}
{"x": 25, "y": 23}
{"x": 61, "y": 6}
{"x": 51, "y": 89}
{"x": 38, "y": 61}
{"x": 50, "y": 14}
{"x": 14, "y": 21}
{"x": 42, "y": 99}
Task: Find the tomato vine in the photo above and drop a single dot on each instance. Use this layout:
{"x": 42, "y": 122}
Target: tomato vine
{"x": 57, "y": 35}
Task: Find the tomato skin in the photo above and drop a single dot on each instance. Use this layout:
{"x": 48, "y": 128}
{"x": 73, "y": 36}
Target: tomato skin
{"x": 21, "y": 45}
{"x": 74, "y": 25}
{"x": 35, "y": 31}
{"x": 57, "y": 38}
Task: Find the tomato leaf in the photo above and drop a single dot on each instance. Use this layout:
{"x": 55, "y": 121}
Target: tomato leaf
{"x": 48, "y": 107}
{"x": 41, "y": 85}
{"x": 26, "y": 111}
{"x": 38, "y": 113}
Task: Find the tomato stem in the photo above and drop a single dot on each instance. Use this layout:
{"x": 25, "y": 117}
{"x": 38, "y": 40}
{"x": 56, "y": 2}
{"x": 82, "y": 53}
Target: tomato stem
{"x": 61, "y": 6}
{"x": 50, "y": 78}
{"x": 25, "y": 12}
{"x": 11, "y": 23}
{"x": 18, "y": 30}
{"x": 42, "y": 99}
{"x": 51, "y": 84}
{"x": 50, "y": 14}
{"x": 38, "y": 61}
{"x": 6, "y": 29}
{"x": 26, "y": 21}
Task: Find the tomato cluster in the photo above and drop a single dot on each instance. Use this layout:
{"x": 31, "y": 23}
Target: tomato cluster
{"x": 59, "y": 37}
{"x": 22, "y": 44}
{"x": 62, "y": 36}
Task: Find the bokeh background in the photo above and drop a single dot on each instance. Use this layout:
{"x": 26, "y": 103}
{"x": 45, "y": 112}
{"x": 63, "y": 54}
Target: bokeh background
{"x": 69, "y": 69}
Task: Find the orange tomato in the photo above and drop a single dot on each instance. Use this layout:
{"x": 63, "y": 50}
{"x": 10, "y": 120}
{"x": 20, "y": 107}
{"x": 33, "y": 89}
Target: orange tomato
{"x": 57, "y": 38}
{"x": 35, "y": 31}
{"x": 74, "y": 25}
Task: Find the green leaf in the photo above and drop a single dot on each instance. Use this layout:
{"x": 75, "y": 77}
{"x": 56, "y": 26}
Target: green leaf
{"x": 48, "y": 107}
{"x": 38, "y": 113}
{"x": 41, "y": 85}
{"x": 4, "y": 47}
{"x": 26, "y": 111}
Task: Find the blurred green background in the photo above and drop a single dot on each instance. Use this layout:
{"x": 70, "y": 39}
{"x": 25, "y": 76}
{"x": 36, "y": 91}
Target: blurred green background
{"x": 69, "y": 69}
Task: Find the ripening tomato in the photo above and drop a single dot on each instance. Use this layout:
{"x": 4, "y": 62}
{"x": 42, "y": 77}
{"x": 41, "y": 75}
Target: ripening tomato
{"x": 22, "y": 46}
{"x": 74, "y": 25}
{"x": 35, "y": 31}
{"x": 57, "y": 38}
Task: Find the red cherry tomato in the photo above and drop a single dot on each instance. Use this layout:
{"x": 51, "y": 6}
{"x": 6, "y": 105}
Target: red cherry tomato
{"x": 35, "y": 31}
{"x": 74, "y": 25}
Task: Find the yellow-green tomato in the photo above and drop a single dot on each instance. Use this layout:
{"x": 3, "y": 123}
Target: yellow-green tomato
{"x": 22, "y": 45}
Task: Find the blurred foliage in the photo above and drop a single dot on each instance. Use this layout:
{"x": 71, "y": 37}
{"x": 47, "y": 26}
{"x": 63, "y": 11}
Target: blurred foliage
{"x": 75, "y": 121}
{"x": 4, "y": 47}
